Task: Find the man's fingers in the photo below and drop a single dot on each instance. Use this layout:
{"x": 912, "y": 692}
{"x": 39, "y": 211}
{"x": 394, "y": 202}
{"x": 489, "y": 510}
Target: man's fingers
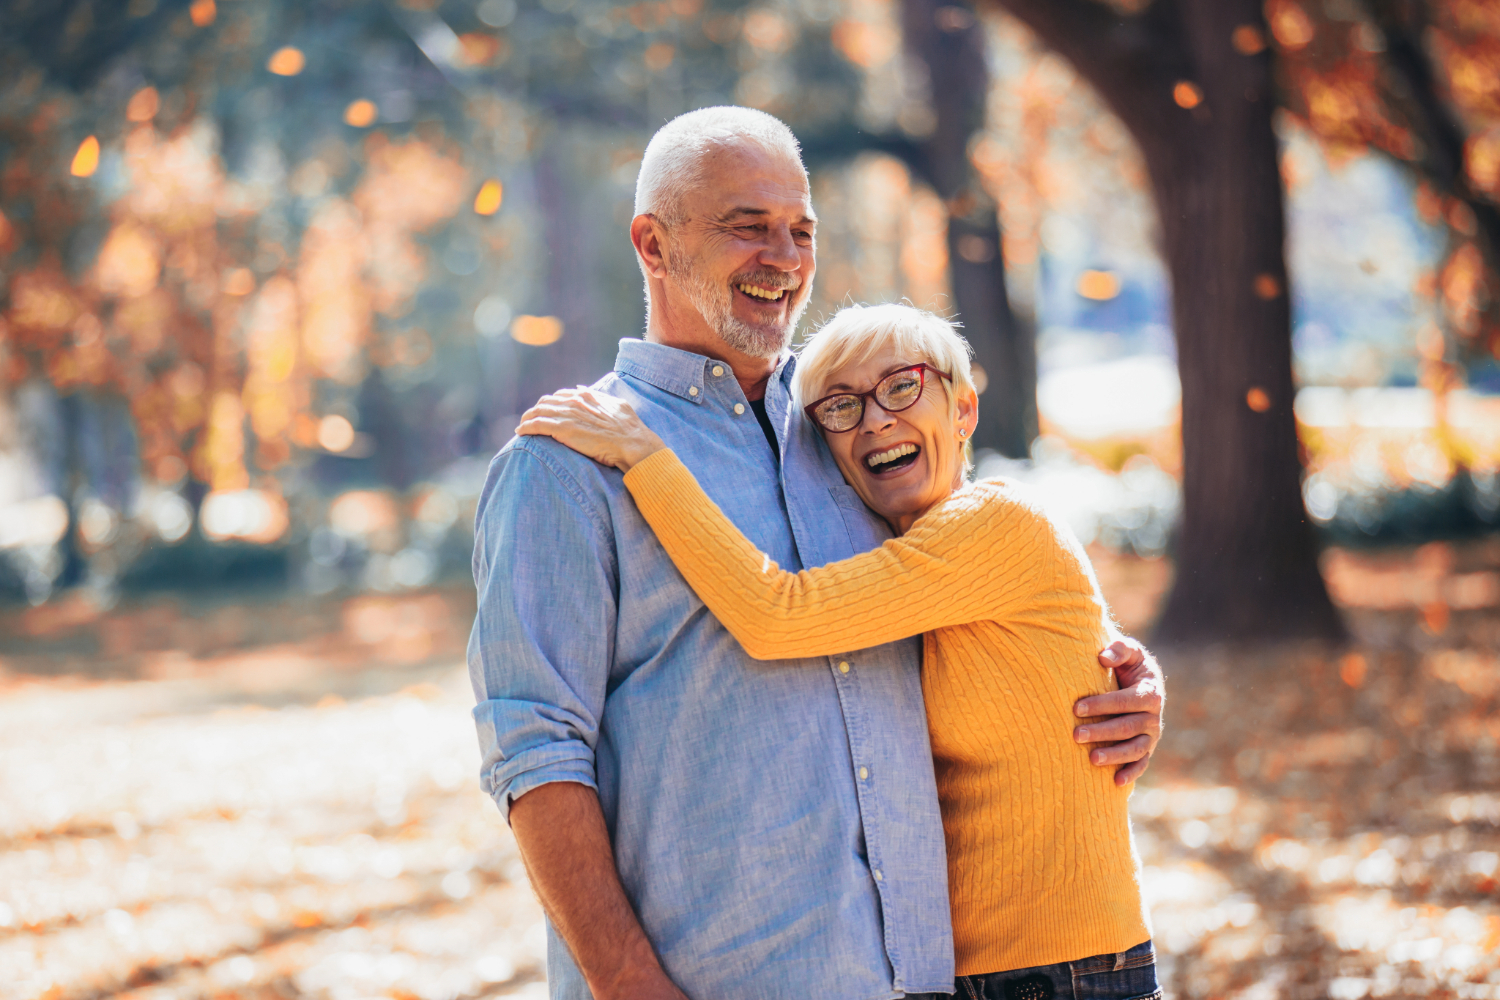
{"x": 1141, "y": 698}
{"x": 1121, "y": 727}
{"x": 1132, "y": 771}
{"x": 1123, "y": 752}
{"x": 1121, "y": 653}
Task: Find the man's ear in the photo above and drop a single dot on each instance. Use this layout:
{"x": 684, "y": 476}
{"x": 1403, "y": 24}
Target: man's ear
{"x": 650, "y": 244}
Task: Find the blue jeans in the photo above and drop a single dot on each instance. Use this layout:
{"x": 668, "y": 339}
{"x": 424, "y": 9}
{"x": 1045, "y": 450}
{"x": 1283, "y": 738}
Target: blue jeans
{"x": 1130, "y": 975}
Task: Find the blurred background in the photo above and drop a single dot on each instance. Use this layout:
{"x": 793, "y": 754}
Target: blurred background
{"x": 277, "y": 279}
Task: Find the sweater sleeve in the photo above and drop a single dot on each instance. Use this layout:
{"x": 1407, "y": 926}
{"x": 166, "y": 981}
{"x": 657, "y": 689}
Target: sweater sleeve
{"x": 961, "y": 562}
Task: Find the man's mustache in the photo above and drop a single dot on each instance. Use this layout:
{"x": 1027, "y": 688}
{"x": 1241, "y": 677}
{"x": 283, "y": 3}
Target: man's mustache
{"x": 767, "y": 279}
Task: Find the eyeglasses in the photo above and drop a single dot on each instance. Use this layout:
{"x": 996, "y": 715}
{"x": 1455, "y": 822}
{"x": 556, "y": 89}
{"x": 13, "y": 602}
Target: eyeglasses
{"x": 898, "y": 391}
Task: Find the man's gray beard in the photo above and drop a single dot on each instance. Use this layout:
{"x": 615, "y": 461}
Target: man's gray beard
{"x": 715, "y": 303}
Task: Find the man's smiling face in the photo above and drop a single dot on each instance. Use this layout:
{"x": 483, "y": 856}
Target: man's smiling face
{"x": 743, "y": 252}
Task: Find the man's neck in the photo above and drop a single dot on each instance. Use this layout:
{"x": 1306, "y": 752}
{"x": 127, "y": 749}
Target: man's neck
{"x": 752, "y": 373}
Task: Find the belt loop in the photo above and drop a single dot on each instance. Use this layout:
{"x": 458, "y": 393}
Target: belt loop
{"x": 1120, "y": 960}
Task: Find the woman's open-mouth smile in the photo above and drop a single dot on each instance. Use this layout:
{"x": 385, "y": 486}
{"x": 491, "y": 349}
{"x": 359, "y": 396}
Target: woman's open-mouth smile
{"x": 890, "y": 462}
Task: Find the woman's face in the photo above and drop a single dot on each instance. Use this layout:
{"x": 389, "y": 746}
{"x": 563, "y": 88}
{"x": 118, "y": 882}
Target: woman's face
{"x": 901, "y": 463}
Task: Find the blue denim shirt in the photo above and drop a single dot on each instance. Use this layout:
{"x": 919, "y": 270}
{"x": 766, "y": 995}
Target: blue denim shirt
{"x": 775, "y": 824}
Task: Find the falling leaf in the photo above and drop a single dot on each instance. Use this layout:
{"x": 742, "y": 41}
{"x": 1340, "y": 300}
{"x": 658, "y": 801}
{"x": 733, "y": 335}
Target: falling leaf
{"x": 360, "y": 113}
{"x": 1352, "y": 669}
{"x": 1248, "y": 40}
{"x": 1267, "y": 286}
{"x": 536, "y": 331}
{"x": 1101, "y": 286}
{"x": 487, "y": 201}
{"x": 1187, "y": 94}
{"x": 86, "y": 160}
{"x": 143, "y": 105}
{"x": 287, "y": 61}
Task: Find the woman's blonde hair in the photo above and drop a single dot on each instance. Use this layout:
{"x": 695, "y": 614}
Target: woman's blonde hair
{"x": 857, "y": 333}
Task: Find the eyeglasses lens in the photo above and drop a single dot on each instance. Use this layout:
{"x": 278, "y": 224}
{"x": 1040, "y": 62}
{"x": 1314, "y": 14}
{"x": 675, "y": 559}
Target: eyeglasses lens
{"x": 898, "y": 391}
{"x": 841, "y": 413}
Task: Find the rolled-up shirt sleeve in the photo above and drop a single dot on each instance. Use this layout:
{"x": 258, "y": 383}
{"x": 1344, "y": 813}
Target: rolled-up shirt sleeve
{"x": 543, "y": 635}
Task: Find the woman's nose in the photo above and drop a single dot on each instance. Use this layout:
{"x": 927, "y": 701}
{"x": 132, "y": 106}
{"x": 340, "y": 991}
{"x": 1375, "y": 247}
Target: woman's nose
{"x": 876, "y": 419}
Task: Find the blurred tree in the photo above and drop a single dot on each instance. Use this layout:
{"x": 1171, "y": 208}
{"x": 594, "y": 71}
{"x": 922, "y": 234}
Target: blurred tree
{"x": 947, "y": 42}
{"x": 1417, "y": 80}
{"x": 1200, "y": 108}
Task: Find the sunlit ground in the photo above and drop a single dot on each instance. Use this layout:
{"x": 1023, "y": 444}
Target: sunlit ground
{"x": 277, "y": 799}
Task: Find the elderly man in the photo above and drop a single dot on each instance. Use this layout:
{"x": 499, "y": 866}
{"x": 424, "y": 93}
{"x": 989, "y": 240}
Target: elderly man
{"x": 696, "y": 823}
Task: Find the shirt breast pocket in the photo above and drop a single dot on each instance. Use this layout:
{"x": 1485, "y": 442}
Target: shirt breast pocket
{"x": 866, "y": 531}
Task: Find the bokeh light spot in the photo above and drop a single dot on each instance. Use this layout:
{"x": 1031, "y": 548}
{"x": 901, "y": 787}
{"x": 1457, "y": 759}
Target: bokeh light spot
{"x": 203, "y": 12}
{"x": 86, "y": 160}
{"x": 238, "y": 281}
{"x": 287, "y": 61}
{"x": 1267, "y": 286}
{"x": 536, "y": 331}
{"x": 1258, "y": 399}
{"x": 143, "y": 106}
{"x": 1248, "y": 40}
{"x": 1187, "y": 94}
{"x": 360, "y": 113}
{"x": 980, "y": 378}
{"x": 1352, "y": 670}
{"x": 335, "y": 433}
{"x": 487, "y": 201}
{"x": 1101, "y": 286}
{"x": 659, "y": 56}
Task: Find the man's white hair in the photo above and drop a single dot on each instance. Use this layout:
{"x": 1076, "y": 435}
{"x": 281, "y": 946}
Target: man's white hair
{"x": 677, "y": 150}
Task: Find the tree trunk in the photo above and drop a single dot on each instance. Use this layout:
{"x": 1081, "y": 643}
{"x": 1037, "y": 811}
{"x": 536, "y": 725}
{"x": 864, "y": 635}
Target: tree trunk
{"x": 1246, "y": 557}
{"x": 947, "y": 41}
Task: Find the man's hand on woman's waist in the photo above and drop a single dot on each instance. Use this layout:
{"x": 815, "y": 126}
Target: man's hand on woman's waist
{"x": 1124, "y": 725}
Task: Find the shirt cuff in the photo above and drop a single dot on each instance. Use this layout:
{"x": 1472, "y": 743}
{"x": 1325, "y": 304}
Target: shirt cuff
{"x": 571, "y": 761}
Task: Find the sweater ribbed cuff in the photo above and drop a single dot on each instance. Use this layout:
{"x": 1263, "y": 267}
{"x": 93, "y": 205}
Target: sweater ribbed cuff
{"x": 657, "y": 475}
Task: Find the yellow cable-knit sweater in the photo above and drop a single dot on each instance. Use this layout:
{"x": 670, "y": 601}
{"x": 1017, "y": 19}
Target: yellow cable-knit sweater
{"x": 1041, "y": 868}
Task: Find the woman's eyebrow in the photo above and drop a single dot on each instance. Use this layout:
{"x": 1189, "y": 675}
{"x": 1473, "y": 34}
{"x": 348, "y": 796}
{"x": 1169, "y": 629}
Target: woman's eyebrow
{"x": 846, "y": 387}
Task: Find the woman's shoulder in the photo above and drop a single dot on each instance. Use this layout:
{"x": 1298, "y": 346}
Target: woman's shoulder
{"x": 1001, "y": 500}
{"x": 1004, "y": 496}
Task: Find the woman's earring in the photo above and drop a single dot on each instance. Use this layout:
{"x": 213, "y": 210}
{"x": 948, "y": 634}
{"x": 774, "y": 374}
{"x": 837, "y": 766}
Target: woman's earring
{"x": 963, "y": 432}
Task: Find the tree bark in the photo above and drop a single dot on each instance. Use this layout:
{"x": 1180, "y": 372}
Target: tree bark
{"x": 947, "y": 41}
{"x": 1246, "y": 557}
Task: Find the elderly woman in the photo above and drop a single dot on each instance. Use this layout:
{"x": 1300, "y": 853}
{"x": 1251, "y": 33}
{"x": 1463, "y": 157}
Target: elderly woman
{"x": 1042, "y": 872}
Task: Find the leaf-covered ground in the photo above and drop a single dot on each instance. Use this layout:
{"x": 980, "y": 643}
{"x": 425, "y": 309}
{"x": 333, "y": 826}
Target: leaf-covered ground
{"x": 275, "y": 798}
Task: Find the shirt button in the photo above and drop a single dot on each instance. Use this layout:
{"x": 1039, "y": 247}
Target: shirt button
{"x": 693, "y": 391}
{"x": 739, "y": 408}
{"x": 879, "y": 877}
{"x": 864, "y": 773}
{"x": 718, "y": 370}
{"x": 843, "y": 666}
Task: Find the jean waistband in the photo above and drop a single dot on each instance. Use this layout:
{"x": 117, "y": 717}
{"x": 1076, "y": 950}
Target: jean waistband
{"x": 1141, "y": 954}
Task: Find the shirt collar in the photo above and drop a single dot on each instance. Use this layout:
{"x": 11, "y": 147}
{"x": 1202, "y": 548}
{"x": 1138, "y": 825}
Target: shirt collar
{"x": 679, "y": 372}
